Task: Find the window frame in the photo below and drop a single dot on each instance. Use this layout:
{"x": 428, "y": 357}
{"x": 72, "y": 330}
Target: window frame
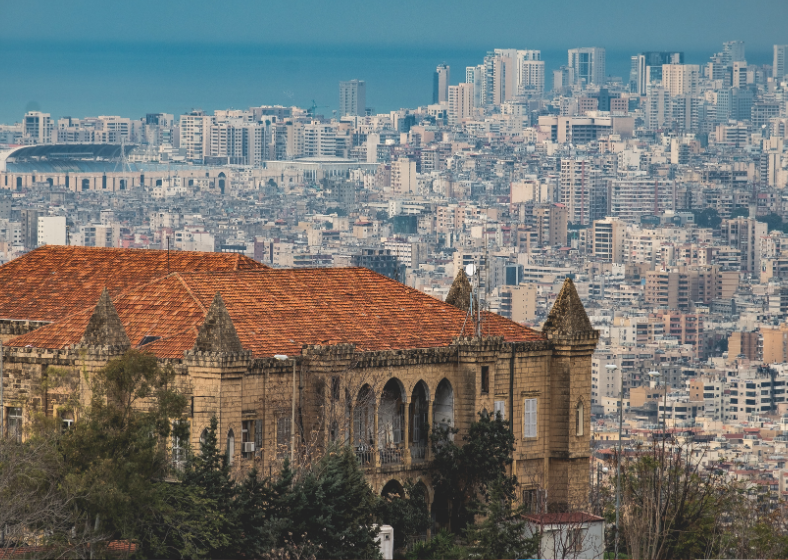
{"x": 530, "y": 418}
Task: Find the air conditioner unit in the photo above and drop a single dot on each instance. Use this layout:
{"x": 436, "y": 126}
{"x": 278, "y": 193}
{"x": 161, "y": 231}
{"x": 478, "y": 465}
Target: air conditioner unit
{"x": 248, "y": 447}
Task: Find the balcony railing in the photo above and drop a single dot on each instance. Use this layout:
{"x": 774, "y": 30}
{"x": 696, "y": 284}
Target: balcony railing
{"x": 390, "y": 455}
{"x": 365, "y": 454}
{"x": 418, "y": 452}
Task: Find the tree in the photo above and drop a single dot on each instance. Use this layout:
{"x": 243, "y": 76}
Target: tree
{"x": 463, "y": 475}
{"x": 332, "y": 509}
{"x": 502, "y": 533}
{"x": 773, "y": 221}
{"x": 739, "y": 213}
{"x": 408, "y": 513}
{"x": 210, "y": 473}
{"x": 118, "y": 450}
{"x": 707, "y": 218}
{"x": 672, "y": 507}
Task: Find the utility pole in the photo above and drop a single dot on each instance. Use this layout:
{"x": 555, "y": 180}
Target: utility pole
{"x": 612, "y": 368}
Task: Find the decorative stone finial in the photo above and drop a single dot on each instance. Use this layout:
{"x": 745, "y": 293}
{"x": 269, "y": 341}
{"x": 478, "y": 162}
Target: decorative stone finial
{"x": 217, "y": 333}
{"x": 567, "y": 318}
{"x": 105, "y": 327}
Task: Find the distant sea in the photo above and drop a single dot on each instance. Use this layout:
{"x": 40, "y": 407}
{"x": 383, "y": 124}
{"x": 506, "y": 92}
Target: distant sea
{"x": 131, "y": 79}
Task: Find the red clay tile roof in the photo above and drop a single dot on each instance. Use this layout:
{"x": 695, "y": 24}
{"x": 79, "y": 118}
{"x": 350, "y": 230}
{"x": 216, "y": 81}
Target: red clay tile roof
{"x": 280, "y": 311}
{"x": 52, "y": 282}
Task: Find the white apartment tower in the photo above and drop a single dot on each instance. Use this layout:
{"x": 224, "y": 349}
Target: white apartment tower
{"x": 460, "y": 102}
{"x": 37, "y": 128}
{"x": 588, "y": 64}
{"x": 352, "y": 98}
{"x": 680, "y": 79}
{"x": 530, "y": 73}
{"x": 779, "y": 64}
{"x": 475, "y": 75}
{"x": 195, "y": 131}
{"x": 440, "y": 84}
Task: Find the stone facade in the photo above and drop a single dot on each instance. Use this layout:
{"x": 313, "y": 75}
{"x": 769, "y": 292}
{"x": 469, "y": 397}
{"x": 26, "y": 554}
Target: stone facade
{"x": 381, "y": 402}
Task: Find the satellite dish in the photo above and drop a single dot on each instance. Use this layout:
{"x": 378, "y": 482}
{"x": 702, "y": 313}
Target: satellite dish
{"x": 470, "y": 270}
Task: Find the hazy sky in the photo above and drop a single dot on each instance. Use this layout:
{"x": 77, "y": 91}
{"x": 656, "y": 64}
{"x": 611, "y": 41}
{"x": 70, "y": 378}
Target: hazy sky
{"x": 679, "y": 24}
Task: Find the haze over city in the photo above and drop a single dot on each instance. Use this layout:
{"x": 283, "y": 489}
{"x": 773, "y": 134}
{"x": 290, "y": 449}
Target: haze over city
{"x": 390, "y": 280}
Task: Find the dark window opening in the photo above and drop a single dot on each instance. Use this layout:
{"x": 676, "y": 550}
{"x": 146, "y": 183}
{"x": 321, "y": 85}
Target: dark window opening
{"x": 148, "y": 339}
{"x": 485, "y": 379}
{"x": 335, "y": 388}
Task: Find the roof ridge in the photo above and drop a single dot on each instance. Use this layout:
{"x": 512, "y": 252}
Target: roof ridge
{"x": 189, "y": 290}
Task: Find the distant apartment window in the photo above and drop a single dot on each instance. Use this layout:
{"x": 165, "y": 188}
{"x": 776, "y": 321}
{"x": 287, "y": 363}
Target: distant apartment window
{"x": 529, "y": 418}
{"x": 485, "y": 379}
{"x": 579, "y": 419}
{"x": 14, "y": 417}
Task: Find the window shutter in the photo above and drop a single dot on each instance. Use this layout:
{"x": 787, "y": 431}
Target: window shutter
{"x": 500, "y": 407}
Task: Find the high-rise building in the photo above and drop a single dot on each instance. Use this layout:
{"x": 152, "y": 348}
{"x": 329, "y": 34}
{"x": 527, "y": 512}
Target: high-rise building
{"x": 681, "y": 79}
{"x": 352, "y": 98}
{"x": 475, "y": 75}
{"x": 646, "y": 68}
{"x": 530, "y": 73}
{"x": 51, "y": 230}
{"x": 440, "y": 84}
{"x": 582, "y": 191}
{"x": 460, "y": 102}
{"x": 732, "y": 51}
{"x": 29, "y": 221}
{"x": 607, "y": 243}
{"x": 37, "y": 128}
{"x": 588, "y": 64}
{"x": 779, "y": 64}
{"x": 195, "y": 131}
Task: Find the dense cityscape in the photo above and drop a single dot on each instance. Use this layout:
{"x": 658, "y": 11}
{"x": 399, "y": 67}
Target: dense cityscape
{"x": 660, "y": 195}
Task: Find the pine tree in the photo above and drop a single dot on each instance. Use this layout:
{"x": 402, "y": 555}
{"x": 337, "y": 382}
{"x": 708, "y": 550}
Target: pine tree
{"x": 210, "y": 471}
{"x": 333, "y": 509}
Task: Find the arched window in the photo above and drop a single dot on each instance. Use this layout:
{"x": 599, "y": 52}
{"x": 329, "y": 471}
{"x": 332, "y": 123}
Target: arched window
{"x": 230, "y": 447}
{"x": 579, "y": 420}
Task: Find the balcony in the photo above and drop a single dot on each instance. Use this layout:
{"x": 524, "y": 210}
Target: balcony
{"x": 391, "y": 455}
{"x": 418, "y": 452}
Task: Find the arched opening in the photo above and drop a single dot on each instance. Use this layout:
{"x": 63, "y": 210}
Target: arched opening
{"x": 158, "y": 182}
{"x": 66, "y": 420}
{"x": 68, "y": 183}
{"x": 191, "y": 182}
{"x": 579, "y": 418}
{"x": 104, "y": 182}
{"x": 390, "y": 422}
{"x": 142, "y": 180}
{"x": 50, "y": 182}
{"x": 230, "y": 447}
{"x": 203, "y": 438}
{"x": 419, "y": 422}
{"x": 19, "y": 183}
{"x": 333, "y": 431}
{"x": 85, "y": 184}
{"x": 393, "y": 489}
{"x": 123, "y": 184}
{"x": 222, "y": 177}
{"x": 364, "y": 425}
{"x": 443, "y": 409}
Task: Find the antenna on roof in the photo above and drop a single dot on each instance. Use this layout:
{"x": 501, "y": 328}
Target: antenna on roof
{"x": 168, "y": 254}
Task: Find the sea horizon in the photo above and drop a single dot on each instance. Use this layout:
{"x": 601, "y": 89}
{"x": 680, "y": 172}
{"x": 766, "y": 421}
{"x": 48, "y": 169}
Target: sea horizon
{"x": 130, "y": 79}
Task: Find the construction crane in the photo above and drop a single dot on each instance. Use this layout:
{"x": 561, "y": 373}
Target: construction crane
{"x": 313, "y": 110}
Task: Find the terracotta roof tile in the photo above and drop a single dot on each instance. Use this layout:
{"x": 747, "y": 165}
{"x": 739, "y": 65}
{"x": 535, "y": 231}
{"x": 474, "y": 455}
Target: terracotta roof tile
{"x": 280, "y": 311}
{"x": 53, "y": 281}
